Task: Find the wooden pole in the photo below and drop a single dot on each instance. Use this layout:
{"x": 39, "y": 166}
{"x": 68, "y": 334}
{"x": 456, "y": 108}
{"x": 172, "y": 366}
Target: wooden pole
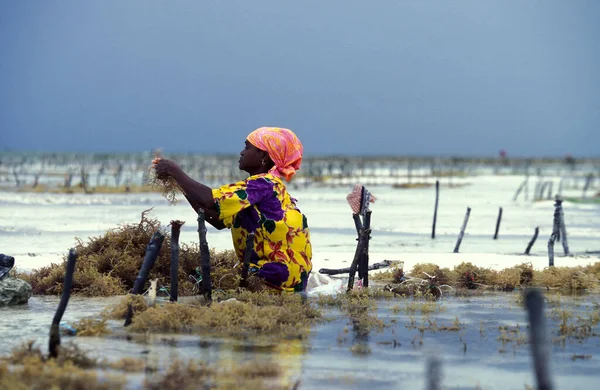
{"x": 357, "y": 223}
{"x": 535, "y": 236}
{"x": 550, "y": 185}
{"x": 152, "y": 250}
{"x": 563, "y": 231}
{"x": 434, "y": 373}
{"x": 541, "y": 190}
{"x": 204, "y": 256}
{"x": 534, "y": 302}
{"x": 520, "y": 189}
{"x": 555, "y": 232}
{"x": 360, "y": 250}
{"x": 498, "y": 223}
{"x": 435, "y": 209}
{"x": 374, "y": 266}
{"x": 175, "y": 230}
{"x": 560, "y": 186}
{"x": 536, "y": 190}
{"x": 588, "y": 182}
{"x": 364, "y": 269}
{"x": 462, "y": 230}
{"x": 62, "y": 305}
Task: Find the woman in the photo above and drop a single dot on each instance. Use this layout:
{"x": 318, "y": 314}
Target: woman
{"x": 261, "y": 204}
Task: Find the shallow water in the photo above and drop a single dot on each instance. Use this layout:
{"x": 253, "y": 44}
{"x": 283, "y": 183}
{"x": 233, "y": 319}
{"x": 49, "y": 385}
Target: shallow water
{"x": 471, "y": 356}
{"x": 40, "y": 228}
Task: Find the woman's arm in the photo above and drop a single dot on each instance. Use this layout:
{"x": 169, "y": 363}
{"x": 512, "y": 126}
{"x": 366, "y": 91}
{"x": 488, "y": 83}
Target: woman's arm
{"x": 199, "y": 195}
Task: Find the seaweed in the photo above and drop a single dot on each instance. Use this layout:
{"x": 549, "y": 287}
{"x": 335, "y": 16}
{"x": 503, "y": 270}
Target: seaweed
{"x": 108, "y": 264}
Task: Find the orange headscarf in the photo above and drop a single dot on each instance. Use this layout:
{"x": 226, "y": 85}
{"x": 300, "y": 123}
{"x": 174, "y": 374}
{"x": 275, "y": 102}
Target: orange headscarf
{"x": 284, "y": 148}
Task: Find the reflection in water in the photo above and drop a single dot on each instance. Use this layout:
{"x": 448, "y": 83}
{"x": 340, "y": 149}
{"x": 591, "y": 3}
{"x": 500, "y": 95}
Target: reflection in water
{"x": 490, "y": 349}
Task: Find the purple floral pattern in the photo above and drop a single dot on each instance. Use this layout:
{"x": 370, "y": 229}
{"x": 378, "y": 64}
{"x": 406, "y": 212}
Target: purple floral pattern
{"x": 261, "y": 194}
{"x": 282, "y": 250}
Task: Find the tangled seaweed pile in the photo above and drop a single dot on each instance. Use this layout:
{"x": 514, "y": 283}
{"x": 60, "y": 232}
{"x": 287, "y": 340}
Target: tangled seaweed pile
{"x": 109, "y": 264}
{"x": 235, "y": 314}
{"x": 471, "y": 277}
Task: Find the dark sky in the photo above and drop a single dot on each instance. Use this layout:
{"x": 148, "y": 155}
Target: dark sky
{"x": 406, "y": 77}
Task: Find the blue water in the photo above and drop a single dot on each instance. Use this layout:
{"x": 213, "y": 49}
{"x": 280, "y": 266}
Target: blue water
{"x": 397, "y": 359}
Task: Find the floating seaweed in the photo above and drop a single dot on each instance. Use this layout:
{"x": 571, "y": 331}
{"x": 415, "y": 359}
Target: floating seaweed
{"x": 237, "y": 315}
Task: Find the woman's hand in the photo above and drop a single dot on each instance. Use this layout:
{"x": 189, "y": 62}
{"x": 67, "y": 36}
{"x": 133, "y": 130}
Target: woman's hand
{"x": 165, "y": 168}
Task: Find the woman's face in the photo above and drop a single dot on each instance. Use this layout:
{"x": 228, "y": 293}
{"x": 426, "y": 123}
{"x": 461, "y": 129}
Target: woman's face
{"x": 251, "y": 158}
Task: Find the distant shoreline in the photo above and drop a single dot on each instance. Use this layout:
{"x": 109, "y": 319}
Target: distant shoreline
{"x": 107, "y": 156}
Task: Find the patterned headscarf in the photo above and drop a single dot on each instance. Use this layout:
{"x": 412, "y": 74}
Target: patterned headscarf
{"x": 283, "y": 147}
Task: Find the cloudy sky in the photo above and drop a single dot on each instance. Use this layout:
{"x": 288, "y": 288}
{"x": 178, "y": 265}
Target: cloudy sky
{"x": 404, "y": 77}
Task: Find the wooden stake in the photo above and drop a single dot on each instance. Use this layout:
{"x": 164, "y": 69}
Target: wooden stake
{"x": 563, "y": 231}
{"x": 360, "y": 250}
{"x": 550, "y": 185}
{"x": 204, "y": 256}
{"x": 435, "y": 209}
{"x": 62, "y": 306}
{"x": 175, "y": 230}
{"x": 462, "y": 230}
{"x": 434, "y": 373}
{"x": 498, "y": 223}
{"x": 555, "y": 231}
{"x": 152, "y": 250}
{"x": 364, "y": 269}
{"x": 520, "y": 189}
{"x": 374, "y": 266}
{"x": 535, "y": 236}
{"x": 534, "y": 302}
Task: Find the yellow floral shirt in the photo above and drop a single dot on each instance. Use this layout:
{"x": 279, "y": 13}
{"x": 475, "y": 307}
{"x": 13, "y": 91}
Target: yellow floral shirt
{"x": 282, "y": 250}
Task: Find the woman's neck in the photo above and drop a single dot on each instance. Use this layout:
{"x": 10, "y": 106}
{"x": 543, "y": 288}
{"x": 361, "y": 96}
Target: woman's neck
{"x": 255, "y": 172}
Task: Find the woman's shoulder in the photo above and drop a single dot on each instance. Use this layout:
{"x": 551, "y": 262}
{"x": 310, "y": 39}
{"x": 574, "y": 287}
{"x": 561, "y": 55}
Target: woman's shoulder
{"x": 266, "y": 180}
{"x": 265, "y": 176}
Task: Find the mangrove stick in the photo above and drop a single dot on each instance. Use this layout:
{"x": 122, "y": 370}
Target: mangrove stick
{"x": 434, "y": 373}
{"x": 536, "y": 190}
{"x": 563, "y": 232}
{"x": 555, "y": 232}
{"x": 498, "y": 223}
{"x": 462, "y": 230}
{"x": 357, "y": 224}
{"x": 62, "y": 306}
{"x": 520, "y": 189}
{"x": 588, "y": 181}
{"x": 534, "y": 302}
{"x": 204, "y": 256}
{"x": 551, "y": 251}
{"x": 175, "y": 230}
{"x": 360, "y": 249}
{"x": 435, "y": 209}
{"x": 363, "y": 271}
{"x": 372, "y": 267}
{"x": 560, "y": 186}
{"x": 152, "y": 250}
{"x": 535, "y": 236}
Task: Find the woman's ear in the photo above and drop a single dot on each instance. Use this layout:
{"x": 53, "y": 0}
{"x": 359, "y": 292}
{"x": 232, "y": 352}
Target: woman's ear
{"x": 266, "y": 159}
{"x": 264, "y": 156}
